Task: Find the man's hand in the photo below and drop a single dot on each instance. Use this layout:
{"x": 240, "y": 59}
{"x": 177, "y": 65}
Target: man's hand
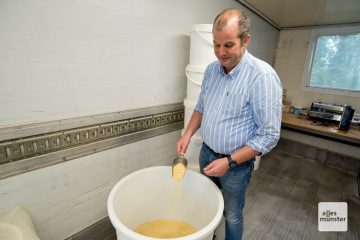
{"x": 182, "y": 144}
{"x": 217, "y": 168}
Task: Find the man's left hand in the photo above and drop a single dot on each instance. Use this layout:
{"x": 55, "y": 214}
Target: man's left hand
{"x": 217, "y": 168}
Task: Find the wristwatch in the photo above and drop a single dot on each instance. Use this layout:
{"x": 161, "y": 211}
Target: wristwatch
{"x": 231, "y": 162}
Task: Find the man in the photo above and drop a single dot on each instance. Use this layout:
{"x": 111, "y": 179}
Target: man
{"x": 239, "y": 111}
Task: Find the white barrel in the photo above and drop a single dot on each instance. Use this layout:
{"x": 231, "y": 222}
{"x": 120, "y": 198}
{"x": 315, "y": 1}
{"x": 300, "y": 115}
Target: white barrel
{"x": 188, "y": 111}
{"x": 16, "y": 224}
{"x": 193, "y": 152}
{"x": 201, "y": 45}
{"x": 195, "y": 75}
{"x": 257, "y": 162}
{"x": 150, "y": 194}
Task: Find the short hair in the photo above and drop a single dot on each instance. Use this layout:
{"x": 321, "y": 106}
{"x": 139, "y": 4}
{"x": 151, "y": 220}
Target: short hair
{"x": 227, "y": 14}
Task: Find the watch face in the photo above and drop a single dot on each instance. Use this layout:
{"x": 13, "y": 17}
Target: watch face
{"x": 233, "y": 164}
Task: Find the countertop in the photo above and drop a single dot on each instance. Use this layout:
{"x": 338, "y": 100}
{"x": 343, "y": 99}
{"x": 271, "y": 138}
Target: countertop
{"x": 331, "y": 131}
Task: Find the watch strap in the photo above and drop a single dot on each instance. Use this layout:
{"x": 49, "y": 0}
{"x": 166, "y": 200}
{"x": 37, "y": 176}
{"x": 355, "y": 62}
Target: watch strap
{"x": 231, "y": 162}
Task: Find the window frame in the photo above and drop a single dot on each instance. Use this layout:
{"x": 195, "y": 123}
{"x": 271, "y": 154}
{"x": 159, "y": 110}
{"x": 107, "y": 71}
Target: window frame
{"x": 314, "y": 35}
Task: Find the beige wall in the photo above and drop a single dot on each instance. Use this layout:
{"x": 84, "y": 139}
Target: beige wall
{"x": 289, "y": 64}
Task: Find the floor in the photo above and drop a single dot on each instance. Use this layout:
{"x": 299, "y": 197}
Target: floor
{"x": 283, "y": 196}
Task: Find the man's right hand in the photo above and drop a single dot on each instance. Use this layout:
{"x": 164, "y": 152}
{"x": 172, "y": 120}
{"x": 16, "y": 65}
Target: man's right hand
{"x": 193, "y": 126}
{"x": 182, "y": 144}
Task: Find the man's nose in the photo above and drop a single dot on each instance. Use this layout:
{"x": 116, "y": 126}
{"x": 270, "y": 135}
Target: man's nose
{"x": 221, "y": 51}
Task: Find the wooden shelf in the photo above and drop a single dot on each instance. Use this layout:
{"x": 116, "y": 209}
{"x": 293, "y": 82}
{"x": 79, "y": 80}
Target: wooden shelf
{"x": 305, "y": 125}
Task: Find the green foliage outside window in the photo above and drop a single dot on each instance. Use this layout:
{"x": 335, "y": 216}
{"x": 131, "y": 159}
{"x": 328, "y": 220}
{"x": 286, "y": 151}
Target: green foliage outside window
{"x": 336, "y": 63}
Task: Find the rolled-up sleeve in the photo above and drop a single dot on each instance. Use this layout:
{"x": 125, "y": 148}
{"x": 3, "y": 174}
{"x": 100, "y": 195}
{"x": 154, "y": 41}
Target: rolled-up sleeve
{"x": 266, "y": 106}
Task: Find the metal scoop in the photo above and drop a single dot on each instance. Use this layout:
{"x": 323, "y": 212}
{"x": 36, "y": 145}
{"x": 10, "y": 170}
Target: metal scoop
{"x": 179, "y": 167}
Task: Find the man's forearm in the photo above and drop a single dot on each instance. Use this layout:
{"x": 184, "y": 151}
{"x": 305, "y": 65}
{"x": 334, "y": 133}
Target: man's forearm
{"x": 244, "y": 154}
{"x": 194, "y": 124}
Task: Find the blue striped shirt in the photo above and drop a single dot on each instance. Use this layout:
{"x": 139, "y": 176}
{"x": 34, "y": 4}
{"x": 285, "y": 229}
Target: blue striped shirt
{"x": 241, "y": 108}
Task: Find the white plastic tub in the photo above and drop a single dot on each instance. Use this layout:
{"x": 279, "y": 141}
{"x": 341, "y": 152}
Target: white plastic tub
{"x": 16, "y": 224}
{"x": 189, "y": 108}
{"x": 195, "y": 75}
{"x": 257, "y": 162}
{"x": 201, "y": 45}
{"x": 193, "y": 152}
{"x": 148, "y": 194}
{"x": 188, "y": 111}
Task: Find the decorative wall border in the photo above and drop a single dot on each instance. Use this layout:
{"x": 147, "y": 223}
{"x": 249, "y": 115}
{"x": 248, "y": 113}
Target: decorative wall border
{"x": 27, "y": 147}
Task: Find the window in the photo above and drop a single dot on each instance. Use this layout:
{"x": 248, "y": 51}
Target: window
{"x": 334, "y": 61}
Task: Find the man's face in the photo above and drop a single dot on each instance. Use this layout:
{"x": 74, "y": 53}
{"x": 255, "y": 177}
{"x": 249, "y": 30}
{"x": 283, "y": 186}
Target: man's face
{"x": 228, "y": 47}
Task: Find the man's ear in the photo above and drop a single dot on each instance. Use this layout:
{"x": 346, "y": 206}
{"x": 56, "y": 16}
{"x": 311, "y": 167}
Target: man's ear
{"x": 246, "y": 40}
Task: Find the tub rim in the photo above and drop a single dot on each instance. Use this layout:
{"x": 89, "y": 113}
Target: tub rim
{"x": 201, "y": 233}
